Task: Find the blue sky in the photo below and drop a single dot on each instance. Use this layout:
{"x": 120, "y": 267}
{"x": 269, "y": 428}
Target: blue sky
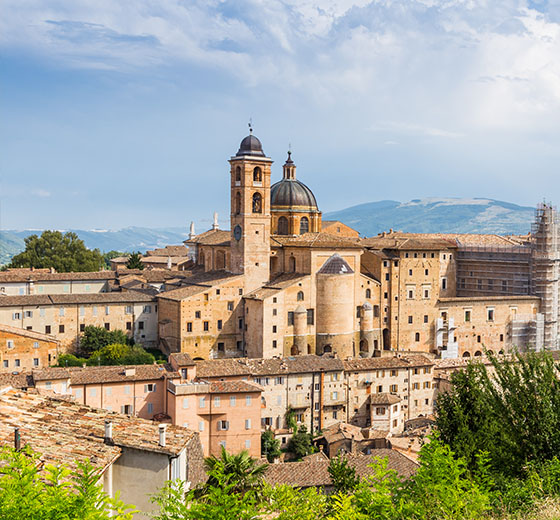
{"x": 125, "y": 112}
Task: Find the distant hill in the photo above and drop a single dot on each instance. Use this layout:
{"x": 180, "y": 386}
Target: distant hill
{"x": 437, "y": 215}
{"x": 417, "y": 216}
{"x": 127, "y": 239}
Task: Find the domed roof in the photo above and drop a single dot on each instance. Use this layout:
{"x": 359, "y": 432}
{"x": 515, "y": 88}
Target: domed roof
{"x": 291, "y": 192}
{"x": 335, "y": 265}
{"x": 250, "y": 146}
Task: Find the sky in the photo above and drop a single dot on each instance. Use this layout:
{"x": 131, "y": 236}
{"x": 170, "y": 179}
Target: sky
{"x": 117, "y": 113}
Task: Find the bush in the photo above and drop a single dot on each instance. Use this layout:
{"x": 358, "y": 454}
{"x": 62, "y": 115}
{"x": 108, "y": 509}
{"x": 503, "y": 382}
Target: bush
{"x": 69, "y": 360}
{"x": 119, "y": 354}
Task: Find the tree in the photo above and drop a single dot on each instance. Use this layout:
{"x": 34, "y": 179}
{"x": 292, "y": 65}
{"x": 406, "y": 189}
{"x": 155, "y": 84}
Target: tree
{"x": 343, "y": 476}
{"x": 119, "y": 354}
{"x": 69, "y": 360}
{"x": 135, "y": 261}
{"x": 240, "y": 471}
{"x": 107, "y": 257}
{"x": 300, "y": 444}
{"x": 95, "y": 338}
{"x": 270, "y": 446}
{"x": 55, "y": 494}
{"x": 63, "y": 252}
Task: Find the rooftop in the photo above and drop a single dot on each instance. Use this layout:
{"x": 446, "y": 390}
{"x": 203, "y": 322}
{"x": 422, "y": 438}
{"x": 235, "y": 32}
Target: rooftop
{"x": 263, "y": 367}
{"x": 63, "y": 432}
{"x": 45, "y": 275}
{"x": 306, "y": 474}
{"x": 384, "y": 398}
{"x": 376, "y": 363}
{"x": 69, "y": 299}
{"x": 27, "y": 333}
{"x": 198, "y": 283}
{"x": 316, "y": 240}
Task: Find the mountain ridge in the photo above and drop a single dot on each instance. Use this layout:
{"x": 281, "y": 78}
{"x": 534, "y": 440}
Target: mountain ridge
{"x": 428, "y": 215}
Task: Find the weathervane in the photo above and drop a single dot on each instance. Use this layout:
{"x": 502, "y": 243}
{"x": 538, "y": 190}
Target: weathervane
{"x": 250, "y": 125}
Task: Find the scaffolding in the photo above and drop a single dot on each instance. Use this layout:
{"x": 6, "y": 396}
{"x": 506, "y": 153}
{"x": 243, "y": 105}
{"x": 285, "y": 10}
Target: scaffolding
{"x": 544, "y": 269}
{"x": 493, "y": 270}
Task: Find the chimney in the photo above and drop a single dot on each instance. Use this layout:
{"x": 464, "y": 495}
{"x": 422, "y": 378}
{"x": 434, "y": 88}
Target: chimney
{"x": 192, "y": 234}
{"x": 162, "y": 435}
{"x": 108, "y": 432}
{"x": 129, "y": 372}
{"x": 17, "y": 440}
{"x": 215, "y": 225}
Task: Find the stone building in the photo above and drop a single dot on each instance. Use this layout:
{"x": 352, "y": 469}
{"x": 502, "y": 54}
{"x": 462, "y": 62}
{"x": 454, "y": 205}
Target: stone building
{"x": 65, "y": 316}
{"x": 24, "y": 350}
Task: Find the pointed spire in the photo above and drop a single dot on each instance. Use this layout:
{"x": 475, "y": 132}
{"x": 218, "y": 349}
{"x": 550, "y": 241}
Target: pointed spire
{"x": 215, "y": 225}
{"x": 192, "y": 234}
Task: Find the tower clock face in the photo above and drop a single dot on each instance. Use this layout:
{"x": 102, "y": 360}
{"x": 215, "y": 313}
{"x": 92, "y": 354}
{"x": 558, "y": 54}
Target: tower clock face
{"x": 237, "y": 232}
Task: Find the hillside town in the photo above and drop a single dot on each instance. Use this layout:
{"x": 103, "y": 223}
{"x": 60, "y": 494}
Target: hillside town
{"x": 285, "y": 321}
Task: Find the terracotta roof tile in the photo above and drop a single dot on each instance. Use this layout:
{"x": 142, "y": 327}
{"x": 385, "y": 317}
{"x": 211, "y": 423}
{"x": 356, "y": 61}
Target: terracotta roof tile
{"x": 39, "y": 275}
{"x": 27, "y": 333}
{"x": 306, "y": 474}
{"x": 274, "y": 366}
{"x": 198, "y": 284}
{"x": 69, "y": 299}
{"x": 212, "y": 237}
{"x": 317, "y": 240}
{"x": 376, "y": 363}
{"x": 384, "y": 398}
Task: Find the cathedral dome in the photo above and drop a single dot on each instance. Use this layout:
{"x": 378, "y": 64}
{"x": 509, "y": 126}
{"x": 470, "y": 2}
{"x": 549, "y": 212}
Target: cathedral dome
{"x": 250, "y": 146}
{"x": 291, "y": 192}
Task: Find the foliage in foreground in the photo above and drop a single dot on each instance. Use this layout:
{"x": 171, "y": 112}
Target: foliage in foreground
{"x": 57, "y": 494}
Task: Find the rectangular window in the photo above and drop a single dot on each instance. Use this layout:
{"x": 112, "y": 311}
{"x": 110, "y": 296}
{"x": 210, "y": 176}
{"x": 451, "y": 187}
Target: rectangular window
{"x": 140, "y": 325}
{"x": 16, "y": 316}
{"x": 467, "y": 315}
{"x": 394, "y": 388}
{"x": 426, "y": 384}
{"x": 310, "y": 316}
{"x": 444, "y": 284}
{"x": 147, "y": 309}
{"x": 6, "y": 363}
{"x": 387, "y": 276}
{"x": 290, "y": 318}
{"x": 410, "y": 294}
{"x": 107, "y": 326}
{"x": 248, "y": 400}
{"x": 221, "y": 347}
{"x": 425, "y": 318}
{"x": 189, "y": 326}
{"x": 219, "y": 324}
{"x": 35, "y": 344}
{"x": 202, "y": 402}
{"x": 410, "y": 272}
{"x": 232, "y": 400}
{"x": 185, "y": 402}
{"x": 247, "y": 424}
{"x": 229, "y": 306}
{"x": 127, "y": 389}
{"x": 217, "y": 401}
{"x": 150, "y": 407}
{"x": 61, "y": 311}
{"x": 201, "y": 426}
{"x": 504, "y": 286}
{"x": 479, "y": 285}
{"x": 426, "y": 272}
{"x": 10, "y": 343}
{"x": 82, "y": 310}
{"x": 490, "y": 314}
{"x": 128, "y": 325}
{"x": 205, "y": 326}
{"x": 334, "y": 396}
{"x": 240, "y": 323}
{"x": 239, "y": 345}
{"x": 151, "y": 387}
{"x": 490, "y": 285}
{"x": 17, "y": 362}
{"x": 247, "y": 444}
{"x": 94, "y": 310}
{"x": 380, "y": 411}
{"x": 223, "y": 425}
{"x": 274, "y": 343}
{"x": 279, "y": 380}
{"x": 410, "y": 319}
{"x": 82, "y": 327}
{"x": 426, "y": 293}
{"x": 29, "y": 314}
{"x": 61, "y": 329}
{"x": 197, "y": 315}
{"x": 128, "y": 309}
{"x": 385, "y": 295}
{"x": 93, "y": 392}
{"x": 42, "y": 312}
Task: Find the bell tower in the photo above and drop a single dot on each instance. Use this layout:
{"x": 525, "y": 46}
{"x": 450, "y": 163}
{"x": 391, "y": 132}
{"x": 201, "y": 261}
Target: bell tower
{"x": 250, "y": 213}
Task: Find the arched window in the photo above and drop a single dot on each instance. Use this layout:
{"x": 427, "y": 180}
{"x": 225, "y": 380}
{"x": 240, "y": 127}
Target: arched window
{"x": 257, "y": 203}
{"x": 327, "y": 349}
{"x": 237, "y": 203}
{"x": 283, "y": 228}
{"x": 466, "y": 354}
{"x": 300, "y": 296}
{"x": 478, "y": 353}
{"x": 363, "y": 345}
{"x": 501, "y": 352}
{"x": 292, "y": 268}
{"x": 368, "y": 293}
{"x": 303, "y": 225}
{"x": 257, "y": 175}
{"x": 294, "y": 351}
{"x": 238, "y": 174}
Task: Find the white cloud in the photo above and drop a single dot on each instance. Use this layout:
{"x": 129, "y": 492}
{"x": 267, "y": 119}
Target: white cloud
{"x": 39, "y": 192}
{"x": 440, "y": 68}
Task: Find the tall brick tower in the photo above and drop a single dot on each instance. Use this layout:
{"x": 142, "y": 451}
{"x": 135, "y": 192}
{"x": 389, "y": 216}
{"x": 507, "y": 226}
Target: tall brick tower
{"x": 250, "y": 213}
